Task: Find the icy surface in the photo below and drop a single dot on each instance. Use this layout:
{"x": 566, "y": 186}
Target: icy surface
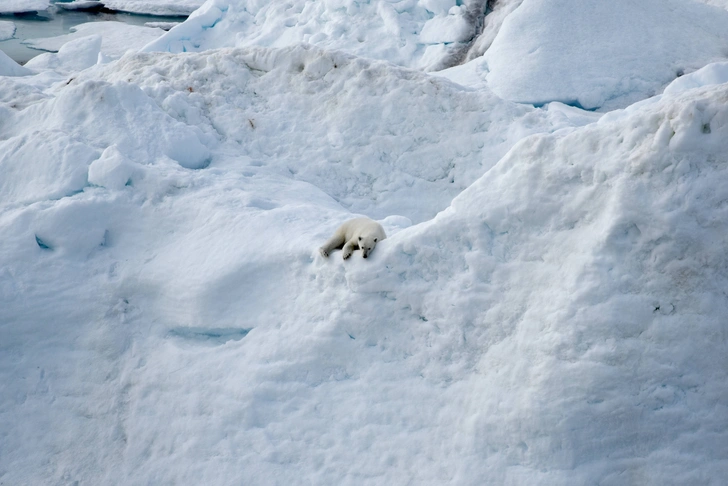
{"x": 548, "y": 308}
{"x": 20, "y": 6}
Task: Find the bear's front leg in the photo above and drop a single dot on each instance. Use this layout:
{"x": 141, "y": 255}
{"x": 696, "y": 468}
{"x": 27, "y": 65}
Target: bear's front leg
{"x": 336, "y": 241}
{"x": 349, "y": 249}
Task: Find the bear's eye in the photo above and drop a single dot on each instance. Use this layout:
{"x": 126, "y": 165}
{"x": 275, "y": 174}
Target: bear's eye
{"x": 360, "y": 238}
{"x": 375, "y": 240}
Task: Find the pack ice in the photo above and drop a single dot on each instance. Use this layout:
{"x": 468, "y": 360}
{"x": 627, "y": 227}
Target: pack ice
{"x": 549, "y": 306}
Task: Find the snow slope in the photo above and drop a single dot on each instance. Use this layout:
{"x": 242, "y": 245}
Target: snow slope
{"x": 548, "y": 308}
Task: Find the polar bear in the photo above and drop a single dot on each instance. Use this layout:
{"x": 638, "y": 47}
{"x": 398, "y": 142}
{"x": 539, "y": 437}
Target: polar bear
{"x": 362, "y": 233}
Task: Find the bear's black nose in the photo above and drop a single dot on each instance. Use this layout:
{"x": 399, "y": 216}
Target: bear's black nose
{"x": 364, "y": 256}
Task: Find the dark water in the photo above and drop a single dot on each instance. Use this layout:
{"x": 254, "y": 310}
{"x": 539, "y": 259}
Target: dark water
{"x": 57, "y": 21}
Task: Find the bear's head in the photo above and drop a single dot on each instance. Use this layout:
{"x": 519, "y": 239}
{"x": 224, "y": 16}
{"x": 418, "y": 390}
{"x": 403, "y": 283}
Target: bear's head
{"x": 367, "y": 244}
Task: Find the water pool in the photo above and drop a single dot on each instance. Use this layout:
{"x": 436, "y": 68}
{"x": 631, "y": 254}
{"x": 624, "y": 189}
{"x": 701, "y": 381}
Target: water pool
{"x": 56, "y": 21}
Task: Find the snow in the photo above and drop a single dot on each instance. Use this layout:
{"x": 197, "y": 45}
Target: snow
{"x": 80, "y": 5}
{"x": 580, "y": 55}
{"x": 114, "y": 39}
{"x": 407, "y": 32}
{"x": 453, "y": 27}
{"x": 716, "y": 3}
{"x": 7, "y": 30}
{"x": 155, "y": 7}
{"x": 162, "y": 25}
{"x": 21, "y": 6}
{"x": 548, "y": 307}
{"x": 712, "y": 74}
{"x": 8, "y": 67}
{"x": 72, "y": 56}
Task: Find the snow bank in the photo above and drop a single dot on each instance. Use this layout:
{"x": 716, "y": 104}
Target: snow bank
{"x": 406, "y": 33}
{"x": 604, "y": 55}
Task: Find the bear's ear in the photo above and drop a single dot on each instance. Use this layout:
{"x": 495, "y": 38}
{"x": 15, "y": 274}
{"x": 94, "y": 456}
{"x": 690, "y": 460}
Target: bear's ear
{"x": 360, "y": 238}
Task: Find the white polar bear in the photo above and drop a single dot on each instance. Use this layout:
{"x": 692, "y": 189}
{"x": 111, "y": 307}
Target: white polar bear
{"x": 363, "y": 233}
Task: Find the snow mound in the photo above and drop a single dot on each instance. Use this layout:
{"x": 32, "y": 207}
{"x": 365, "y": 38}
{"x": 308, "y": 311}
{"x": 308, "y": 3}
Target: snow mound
{"x": 405, "y": 33}
{"x": 48, "y": 147}
{"x": 367, "y": 133}
{"x": 76, "y": 55}
{"x": 603, "y": 55}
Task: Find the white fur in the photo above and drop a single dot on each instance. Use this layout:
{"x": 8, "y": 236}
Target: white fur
{"x": 357, "y": 233}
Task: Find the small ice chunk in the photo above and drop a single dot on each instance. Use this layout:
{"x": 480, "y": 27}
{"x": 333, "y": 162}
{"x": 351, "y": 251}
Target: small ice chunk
{"x": 112, "y": 170}
{"x": 118, "y": 37}
{"x": 7, "y": 30}
{"x": 450, "y": 28}
{"x": 73, "y": 56}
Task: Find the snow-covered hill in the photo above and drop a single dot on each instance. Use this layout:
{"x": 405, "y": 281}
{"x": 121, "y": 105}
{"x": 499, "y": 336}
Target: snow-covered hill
{"x": 549, "y": 306}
